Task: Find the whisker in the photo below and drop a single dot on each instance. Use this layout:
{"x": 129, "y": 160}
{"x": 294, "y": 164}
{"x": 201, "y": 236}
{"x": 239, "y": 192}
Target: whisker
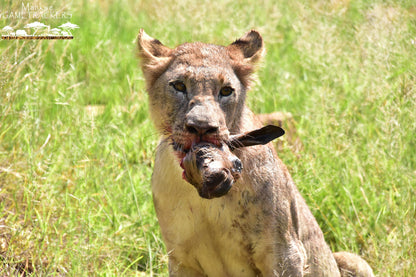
{"x": 152, "y": 134}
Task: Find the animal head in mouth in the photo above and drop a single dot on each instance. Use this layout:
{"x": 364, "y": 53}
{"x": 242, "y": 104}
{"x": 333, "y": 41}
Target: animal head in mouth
{"x": 213, "y": 169}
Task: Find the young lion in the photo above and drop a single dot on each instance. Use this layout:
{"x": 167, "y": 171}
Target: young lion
{"x": 262, "y": 225}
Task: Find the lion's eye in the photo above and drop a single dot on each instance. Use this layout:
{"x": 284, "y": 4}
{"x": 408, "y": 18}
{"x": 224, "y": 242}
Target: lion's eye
{"x": 226, "y": 91}
{"x": 178, "y": 86}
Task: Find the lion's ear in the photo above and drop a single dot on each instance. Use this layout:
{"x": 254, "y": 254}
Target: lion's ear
{"x": 245, "y": 52}
{"x": 249, "y": 48}
{"x": 150, "y": 48}
{"x": 154, "y": 56}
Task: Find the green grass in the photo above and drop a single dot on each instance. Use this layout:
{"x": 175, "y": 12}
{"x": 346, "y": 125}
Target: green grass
{"x": 77, "y": 145}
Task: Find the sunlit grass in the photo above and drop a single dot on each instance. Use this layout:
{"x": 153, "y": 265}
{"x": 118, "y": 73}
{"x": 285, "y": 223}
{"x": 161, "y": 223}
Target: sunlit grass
{"x": 77, "y": 145}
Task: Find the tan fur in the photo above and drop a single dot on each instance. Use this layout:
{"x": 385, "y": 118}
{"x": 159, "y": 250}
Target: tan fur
{"x": 262, "y": 226}
{"x": 352, "y": 265}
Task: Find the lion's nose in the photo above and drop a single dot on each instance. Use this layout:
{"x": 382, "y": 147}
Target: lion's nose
{"x": 203, "y": 119}
{"x": 201, "y": 128}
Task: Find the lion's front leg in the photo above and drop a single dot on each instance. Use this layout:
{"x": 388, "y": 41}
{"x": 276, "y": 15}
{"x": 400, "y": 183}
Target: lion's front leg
{"x": 176, "y": 269}
{"x": 294, "y": 260}
{"x": 286, "y": 260}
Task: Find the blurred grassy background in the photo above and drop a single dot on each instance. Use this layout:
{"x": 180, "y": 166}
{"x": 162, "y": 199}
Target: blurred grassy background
{"x": 77, "y": 146}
